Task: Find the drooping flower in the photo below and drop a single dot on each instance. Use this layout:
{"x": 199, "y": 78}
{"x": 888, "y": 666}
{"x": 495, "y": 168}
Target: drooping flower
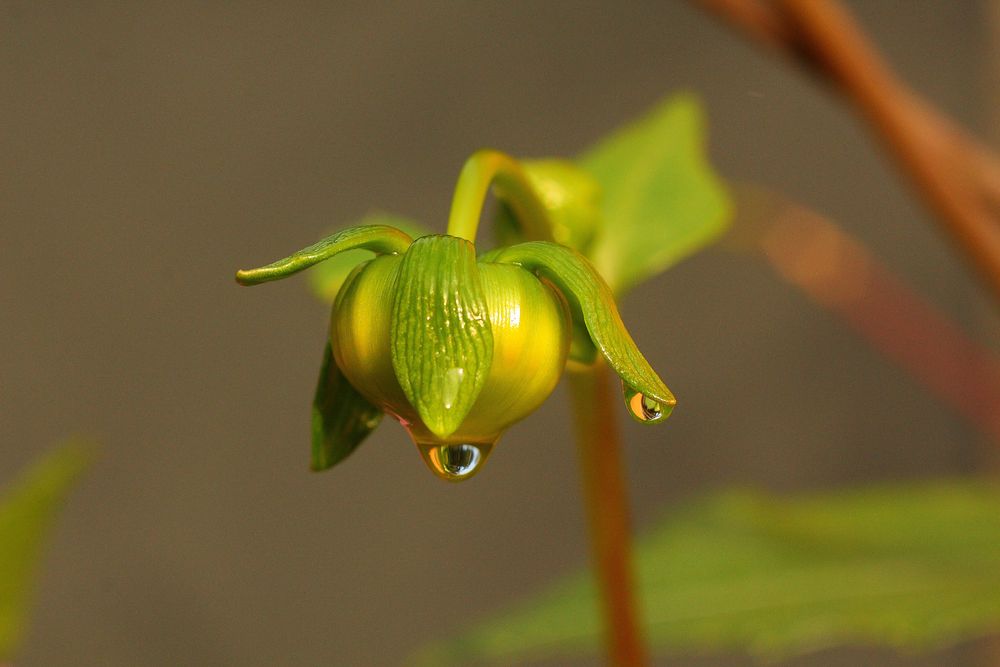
{"x": 458, "y": 348}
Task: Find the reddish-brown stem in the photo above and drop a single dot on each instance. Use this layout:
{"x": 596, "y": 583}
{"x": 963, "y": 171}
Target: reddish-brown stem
{"x": 756, "y": 17}
{"x": 594, "y": 402}
{"x": 957, "y": 177}
{"x": 839, "y": 273}
{"x": 922, "y": 141}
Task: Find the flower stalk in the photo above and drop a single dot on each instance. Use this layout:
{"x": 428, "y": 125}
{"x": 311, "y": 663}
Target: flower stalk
{"x": 605, "y": 495}
{"x": 593, "y": 400}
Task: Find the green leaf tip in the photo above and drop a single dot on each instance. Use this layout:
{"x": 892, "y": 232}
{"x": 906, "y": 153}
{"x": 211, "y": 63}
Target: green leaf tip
{"x": 28, "y": 508}
{"x": 341, "y": 417}
{"x": 661, "y": 199}
{"x": 380, "y": 239}
{"x": 593, "y": 303}
{"x": 441, "y": 339}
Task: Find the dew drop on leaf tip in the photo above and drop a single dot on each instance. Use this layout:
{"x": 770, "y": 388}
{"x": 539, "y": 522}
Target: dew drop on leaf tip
{"x": 643, "y": 408}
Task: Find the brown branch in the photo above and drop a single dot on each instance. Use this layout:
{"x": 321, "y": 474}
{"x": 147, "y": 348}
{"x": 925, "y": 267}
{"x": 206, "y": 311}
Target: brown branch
{"x": 958, "y": 178}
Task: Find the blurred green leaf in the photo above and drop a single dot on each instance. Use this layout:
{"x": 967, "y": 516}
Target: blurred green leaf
{"x": 28, "y": 509}
{"x": 571, "y": 197}
{"x": 910, "y": 566}
{"x": 661, "y": 199}
{"x": 326, "y": 278}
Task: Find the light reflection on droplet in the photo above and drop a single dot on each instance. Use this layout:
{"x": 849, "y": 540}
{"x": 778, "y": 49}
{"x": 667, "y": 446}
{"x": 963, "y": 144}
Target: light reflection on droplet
{"x": 643, "y": 408}
{"x": 457, "y": 462}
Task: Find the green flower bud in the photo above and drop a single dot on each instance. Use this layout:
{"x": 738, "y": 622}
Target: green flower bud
{"x": 456, "y": 349}
{"x": 455, "y": 400}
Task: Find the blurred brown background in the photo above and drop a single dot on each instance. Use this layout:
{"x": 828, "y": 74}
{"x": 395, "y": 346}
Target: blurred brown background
{"x": 148, "y": 150}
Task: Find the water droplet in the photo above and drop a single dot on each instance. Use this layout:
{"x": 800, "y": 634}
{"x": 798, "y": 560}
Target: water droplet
{"x": 643, "y": 408}
{"x": 455, "y": 463}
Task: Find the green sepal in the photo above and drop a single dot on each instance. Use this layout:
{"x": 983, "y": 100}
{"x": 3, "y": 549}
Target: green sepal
{"x": 380, "y": 239}
{"x": 326, "y": 279}
{"x": 341, "y": 417}
{"x": 441, "y": 340}
{"x": 591, "y": 299}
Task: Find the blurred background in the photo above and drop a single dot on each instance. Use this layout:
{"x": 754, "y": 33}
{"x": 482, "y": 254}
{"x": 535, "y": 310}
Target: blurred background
{"x": 148, "y": 150}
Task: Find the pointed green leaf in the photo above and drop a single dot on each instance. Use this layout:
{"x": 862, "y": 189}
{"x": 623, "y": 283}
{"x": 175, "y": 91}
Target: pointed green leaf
{"x": 442, "y": 344}
{"x": 661, "y": 199}
{"x": 913, "y": 566}
{"x": 591, "y": 301}
{"x": 341, "y": 417}
{"x": 326, "y": 278}
{"x": 376, "y": 238}
{"x": 28, "y": 509}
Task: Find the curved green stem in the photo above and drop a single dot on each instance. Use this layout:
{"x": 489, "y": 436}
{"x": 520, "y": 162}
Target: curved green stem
{"x": 606, "y": 499}
{"x": 488, "y": 168}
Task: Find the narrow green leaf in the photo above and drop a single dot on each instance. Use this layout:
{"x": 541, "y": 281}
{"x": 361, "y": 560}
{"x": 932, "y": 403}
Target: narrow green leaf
{"x": 661, "y": 199}
{"x": 28, "y": 509}
{"x": 341, "y": 417}
{"x": 376, "y": 238}
{"x": 591, "y": 301}
{"x": 914, "y": 566}
{"x": 326, "y": 278}
{"x": 442, "y": 344}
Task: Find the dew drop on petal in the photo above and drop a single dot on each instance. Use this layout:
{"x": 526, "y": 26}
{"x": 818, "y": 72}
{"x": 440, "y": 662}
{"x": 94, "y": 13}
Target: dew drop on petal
{"x": 452, "y": 383}
{"x": 455, "y": 462}
{"x": 643, "y": 408}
